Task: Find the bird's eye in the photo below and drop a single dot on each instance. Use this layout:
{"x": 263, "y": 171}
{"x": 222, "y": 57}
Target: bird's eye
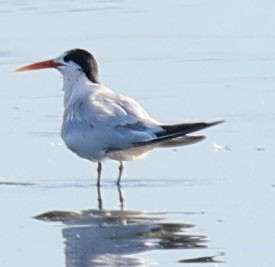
{"x": 66, "y": 58}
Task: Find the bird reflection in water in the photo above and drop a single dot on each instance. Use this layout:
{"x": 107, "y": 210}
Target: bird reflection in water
{"x": 100, "y": 237}
{"x": 100, "y": 200}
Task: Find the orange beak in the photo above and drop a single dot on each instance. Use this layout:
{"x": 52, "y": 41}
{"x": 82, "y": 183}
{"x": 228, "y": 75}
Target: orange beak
{"x": 40, "y": 65}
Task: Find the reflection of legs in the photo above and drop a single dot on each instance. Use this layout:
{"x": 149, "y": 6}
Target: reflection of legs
{"x": 99, "y": 170}
{"x": 120, "y": 169}
{"x": 99, "y": 198}
{"x": 121, "y": 199}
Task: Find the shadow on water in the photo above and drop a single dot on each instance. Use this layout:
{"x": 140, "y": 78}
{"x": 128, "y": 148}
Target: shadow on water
{"x": 100, "y": 237}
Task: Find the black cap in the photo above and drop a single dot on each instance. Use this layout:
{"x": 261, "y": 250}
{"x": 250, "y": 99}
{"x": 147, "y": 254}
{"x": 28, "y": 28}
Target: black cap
{"x": 86, "y": 61}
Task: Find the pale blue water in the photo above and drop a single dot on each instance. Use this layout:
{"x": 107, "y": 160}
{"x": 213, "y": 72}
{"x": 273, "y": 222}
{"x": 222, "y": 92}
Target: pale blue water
{"x": 184, "y": 61}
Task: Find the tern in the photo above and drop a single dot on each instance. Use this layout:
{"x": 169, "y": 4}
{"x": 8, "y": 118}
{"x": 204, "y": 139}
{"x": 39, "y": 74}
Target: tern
{"x": 100, "y": 124}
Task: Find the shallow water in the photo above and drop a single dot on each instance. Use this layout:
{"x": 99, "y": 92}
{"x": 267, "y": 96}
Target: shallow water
{"x": 210, "y": 204}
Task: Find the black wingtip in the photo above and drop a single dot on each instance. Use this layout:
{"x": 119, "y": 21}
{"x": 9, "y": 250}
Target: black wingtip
{"x": 216, "y": 123}
{"x": 175, "y": 130}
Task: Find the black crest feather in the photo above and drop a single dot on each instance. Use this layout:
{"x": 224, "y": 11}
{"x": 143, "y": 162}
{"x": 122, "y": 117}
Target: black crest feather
{"x": 86, "y": 61}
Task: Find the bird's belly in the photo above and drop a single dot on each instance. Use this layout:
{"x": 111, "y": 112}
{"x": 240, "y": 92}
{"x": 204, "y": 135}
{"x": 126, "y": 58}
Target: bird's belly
{"x": 82, "y": 139}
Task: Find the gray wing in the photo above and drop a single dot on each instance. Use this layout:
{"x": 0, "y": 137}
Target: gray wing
{"x": 111, "y": 109}
{"x": 121, "y": 119}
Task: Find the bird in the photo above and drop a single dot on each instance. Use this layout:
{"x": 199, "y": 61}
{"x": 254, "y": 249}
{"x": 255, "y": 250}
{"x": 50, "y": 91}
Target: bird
{"x": 100, "y": 124}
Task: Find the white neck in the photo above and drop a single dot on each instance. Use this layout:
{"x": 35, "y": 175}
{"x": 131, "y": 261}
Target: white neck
{"x": 75, "y": 86}
{"x": 69, "y": 82}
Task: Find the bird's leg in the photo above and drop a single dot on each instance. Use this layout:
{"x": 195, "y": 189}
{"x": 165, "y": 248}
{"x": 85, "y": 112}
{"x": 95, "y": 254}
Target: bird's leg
{"x": 120, "y": 169}
{"x": 99, "y": 170}
{"x": 99, "y": 198}
{"x": 121, "y": 198}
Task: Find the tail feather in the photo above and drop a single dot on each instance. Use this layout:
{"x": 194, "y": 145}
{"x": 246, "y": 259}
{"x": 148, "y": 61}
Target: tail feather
{"x": 182, "y": 141}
